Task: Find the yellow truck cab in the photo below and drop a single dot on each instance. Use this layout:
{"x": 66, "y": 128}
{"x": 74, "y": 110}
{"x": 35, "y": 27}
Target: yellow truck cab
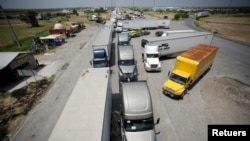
{"x": 189, "y": 66}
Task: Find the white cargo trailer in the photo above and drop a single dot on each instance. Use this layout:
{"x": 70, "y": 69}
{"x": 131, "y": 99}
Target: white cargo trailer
{"x": 173, "y": 44}
{"x": 145, "y": 23}
{"x": 87, "y": 113}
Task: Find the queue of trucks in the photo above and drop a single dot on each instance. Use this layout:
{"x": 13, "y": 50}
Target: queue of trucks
{"x": 87, "y": 114}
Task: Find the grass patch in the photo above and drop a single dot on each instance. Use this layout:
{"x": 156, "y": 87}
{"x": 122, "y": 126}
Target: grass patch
{"x": 233, "y": 27}
{"x": 25, "y": 31}
{"x": 160, "y": 14}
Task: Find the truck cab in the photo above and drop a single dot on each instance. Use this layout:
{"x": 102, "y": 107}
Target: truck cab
{"x": 177, "y": 83}
{"x": 127, "y": 63}
{"x": 123, "y": 39}
{"x": 137, "y": 120}
{"x": 100, "y": 59}
{"x": 119, "y": 27}
{"x": 151, "y": 58}
{"x": 135, "y": 32}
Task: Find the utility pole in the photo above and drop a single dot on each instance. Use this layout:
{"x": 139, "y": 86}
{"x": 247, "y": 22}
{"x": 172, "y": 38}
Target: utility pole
{"x": 11, "y": 28}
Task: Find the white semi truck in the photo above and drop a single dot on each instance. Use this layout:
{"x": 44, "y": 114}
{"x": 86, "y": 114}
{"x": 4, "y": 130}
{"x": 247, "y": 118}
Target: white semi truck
{"x": 170, "y": 46}
{"x": 151, "y": 58}
{"x": 145, "y": 23}
{"x": 173, "y": 44}
{"x": 87, "y": 113}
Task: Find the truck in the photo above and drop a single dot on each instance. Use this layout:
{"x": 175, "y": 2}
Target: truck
{"x": 123, "y": 39}
{"x": 137, "y": 117}
{"x": 137, "y": 32}
{"x": 202, "y": 14}
{"x": 127, "y": 63}
{"x": 189, "y": 67}
{"x": 119, "y": 27}
{"x": 145, "y": 23}
{"x": 102, "y": 48}
{"x": 176, "y": 43}
{"x": 151, "y": 58}
{"x": 166, "y": 33}
{"x": 87, "y": 113}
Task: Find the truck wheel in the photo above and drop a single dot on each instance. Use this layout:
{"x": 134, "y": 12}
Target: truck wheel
{"x": 182, "y": 96}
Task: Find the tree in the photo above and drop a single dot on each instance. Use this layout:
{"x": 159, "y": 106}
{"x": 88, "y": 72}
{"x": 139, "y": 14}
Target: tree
{"x": 177, "y": 16}
{"x": 30, "y": 18}
{"x": 75, "y": 12}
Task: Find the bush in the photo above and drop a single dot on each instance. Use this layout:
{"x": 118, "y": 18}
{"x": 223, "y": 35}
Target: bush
{"x": 184, "y": 15}
{"x": 177, "y": 16}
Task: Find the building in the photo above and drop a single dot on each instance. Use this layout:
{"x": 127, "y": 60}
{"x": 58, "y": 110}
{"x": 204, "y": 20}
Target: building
{"x": 11, "y": 62}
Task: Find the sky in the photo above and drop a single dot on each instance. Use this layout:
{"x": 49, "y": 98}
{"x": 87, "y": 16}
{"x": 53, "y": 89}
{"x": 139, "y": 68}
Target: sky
{"x": 43, "y": 4}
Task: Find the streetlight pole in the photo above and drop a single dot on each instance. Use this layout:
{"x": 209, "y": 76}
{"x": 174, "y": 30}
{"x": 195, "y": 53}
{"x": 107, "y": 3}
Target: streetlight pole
{"x": 11, "y": 28}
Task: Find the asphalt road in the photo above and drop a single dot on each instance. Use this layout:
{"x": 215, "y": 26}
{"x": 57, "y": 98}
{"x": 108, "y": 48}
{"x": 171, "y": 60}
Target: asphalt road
{"x": 180, "y": 119}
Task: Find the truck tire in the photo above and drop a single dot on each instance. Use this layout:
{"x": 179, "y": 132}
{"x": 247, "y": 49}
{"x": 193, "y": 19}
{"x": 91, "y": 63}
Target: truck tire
{"x": 183, "y": 94}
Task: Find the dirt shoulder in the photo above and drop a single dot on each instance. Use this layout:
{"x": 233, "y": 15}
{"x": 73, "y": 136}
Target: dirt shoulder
{"x": 15, "y": 106}
{"x": 226, "y": 97}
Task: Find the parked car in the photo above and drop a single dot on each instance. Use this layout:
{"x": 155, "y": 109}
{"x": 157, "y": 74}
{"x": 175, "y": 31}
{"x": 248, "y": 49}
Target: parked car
{"x": 159, "y": 33}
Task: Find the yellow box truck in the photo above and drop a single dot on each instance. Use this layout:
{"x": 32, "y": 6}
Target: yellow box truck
{"x": 189, "y": 66}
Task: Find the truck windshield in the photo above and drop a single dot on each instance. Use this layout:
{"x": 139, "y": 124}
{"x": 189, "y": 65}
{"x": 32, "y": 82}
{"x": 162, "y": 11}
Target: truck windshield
{"x": 99, "y": 63}
{"x": 139, "y": 125}
{"x": 126, "y": 62}
{"x": 123, "y": 42}
{"x": 178, "y": 79}
{"x": 152, "y": 55}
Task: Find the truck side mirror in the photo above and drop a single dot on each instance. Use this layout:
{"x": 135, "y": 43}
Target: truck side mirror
{"x": 157, "y": 132}
{"x": 90, "y": 62}
{"x": 169, "y": 73}
{"x": 119, "y": 123}
{"x": 157, "y": 121}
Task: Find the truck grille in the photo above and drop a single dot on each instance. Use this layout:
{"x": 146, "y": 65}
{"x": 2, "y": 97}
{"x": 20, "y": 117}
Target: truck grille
{"x": 170, "y": 90}
{"x": 128, "y": 75}
{"x": 154, "y": 66}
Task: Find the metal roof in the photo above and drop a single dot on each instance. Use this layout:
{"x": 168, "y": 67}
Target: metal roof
{"x": 136, "y": 99}
{"x": 6, "y": 58}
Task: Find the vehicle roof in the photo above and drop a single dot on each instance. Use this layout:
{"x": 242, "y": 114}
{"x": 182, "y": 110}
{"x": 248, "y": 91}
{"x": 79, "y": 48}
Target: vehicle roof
{"x": 126, "y": 52}
{"x": 182, "y": 73}
{"x": 7, "y": 57}
{"x": 99, "y": 53}
{"x": 176, "y": 36}
{"x": 103, "y": 38}
{"x": 84, "y": 114}
{"x": 136, "y": 99}
{"x": 123, "y": 35}
{"x": 199, "y": 52}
